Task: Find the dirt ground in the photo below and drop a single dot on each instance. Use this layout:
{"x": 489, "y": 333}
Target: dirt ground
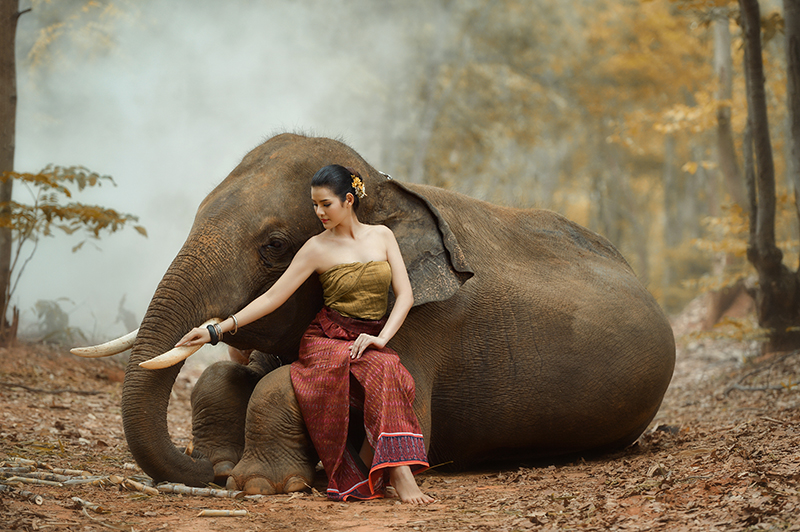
{"x": 722, "y": 454}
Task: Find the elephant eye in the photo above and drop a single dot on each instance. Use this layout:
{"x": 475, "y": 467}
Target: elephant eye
{"x": 271, "y": 251}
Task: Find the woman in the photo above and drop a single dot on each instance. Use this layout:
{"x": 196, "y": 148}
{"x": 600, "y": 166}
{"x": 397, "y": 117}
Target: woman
{"x": 345, "y": 371}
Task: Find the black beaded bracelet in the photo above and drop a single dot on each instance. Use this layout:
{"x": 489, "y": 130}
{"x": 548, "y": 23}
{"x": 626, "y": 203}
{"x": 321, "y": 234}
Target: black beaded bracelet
{"x": 213, "y": 332}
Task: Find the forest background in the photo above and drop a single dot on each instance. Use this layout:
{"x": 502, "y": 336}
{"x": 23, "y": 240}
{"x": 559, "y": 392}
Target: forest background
{"x": 626, "y": 116}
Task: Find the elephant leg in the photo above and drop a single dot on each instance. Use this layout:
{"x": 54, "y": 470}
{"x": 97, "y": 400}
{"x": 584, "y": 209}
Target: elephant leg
{"x": 219, "y": 408}
{"x": 278, "y": 455}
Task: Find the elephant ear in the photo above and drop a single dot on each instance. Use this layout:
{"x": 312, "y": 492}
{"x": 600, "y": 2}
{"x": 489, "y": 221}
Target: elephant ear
{"x": 436, "y": 264}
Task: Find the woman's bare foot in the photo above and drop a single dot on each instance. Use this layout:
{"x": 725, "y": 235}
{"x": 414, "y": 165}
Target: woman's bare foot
{"x": 403, "y": 481}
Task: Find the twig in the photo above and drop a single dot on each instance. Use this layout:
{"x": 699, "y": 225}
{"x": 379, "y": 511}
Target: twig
{"x": 101, "y": 523}
{"x": 764, "y": 367}
{"x": 25, "y": 480}
{"x": 222, "y": 513}
{"x": 53, "y": 392}
{"x": 755, "y": 388}
{"x": 770, "y": 364}
{"x": 773, "y": 420}
{"x": 439, "y": 465}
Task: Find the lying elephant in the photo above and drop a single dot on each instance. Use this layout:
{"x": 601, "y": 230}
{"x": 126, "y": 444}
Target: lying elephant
{"x": 530, "y": 336}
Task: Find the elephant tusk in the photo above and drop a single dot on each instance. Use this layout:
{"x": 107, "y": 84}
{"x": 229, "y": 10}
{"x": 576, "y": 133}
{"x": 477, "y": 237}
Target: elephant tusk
{"x": 176, "y": 354}
{"x": 107, "y": 349}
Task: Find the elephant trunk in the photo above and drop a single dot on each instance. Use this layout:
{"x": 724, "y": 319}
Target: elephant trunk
{"x": 180, "y": 303}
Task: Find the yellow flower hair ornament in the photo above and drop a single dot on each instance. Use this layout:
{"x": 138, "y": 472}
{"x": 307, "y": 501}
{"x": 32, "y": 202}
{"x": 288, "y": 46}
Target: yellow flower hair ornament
{"x": 358, "y": 185}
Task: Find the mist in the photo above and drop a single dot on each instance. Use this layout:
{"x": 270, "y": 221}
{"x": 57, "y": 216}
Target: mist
{"x": 183, "y": 93}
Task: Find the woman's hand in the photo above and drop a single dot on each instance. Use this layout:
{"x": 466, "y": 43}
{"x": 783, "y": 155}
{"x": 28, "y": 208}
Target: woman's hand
{"x": 363, "y": 342}
{"x": 197, "y": 336}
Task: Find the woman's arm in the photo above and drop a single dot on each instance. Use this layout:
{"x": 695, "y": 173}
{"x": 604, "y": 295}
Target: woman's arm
{"x": 301, "y": 267}
{"x": 404, "y": 300}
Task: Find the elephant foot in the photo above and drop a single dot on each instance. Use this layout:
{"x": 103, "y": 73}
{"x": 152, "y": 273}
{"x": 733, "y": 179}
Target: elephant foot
{"x": 258, "y": 485}
{"x": 222, "y": 471}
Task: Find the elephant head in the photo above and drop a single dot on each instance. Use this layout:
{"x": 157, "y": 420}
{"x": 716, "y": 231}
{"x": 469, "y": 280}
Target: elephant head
{"x": 243, "y": 238}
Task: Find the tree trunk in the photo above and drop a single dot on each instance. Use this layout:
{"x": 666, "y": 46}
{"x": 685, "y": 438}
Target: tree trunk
{"x": 791, "y": 15}
{"x": 720, "y": 300}
{"x": 776, "y": 294}
{"x": 726, "y": 152}
{"x": 9, "y": 13}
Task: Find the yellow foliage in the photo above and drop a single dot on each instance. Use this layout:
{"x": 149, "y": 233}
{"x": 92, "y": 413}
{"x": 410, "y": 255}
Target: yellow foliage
{"x": 690, "y": 167}
{"x": 695, "y": 118}
{"x": 48, "y": 211}
{"x": 601, "y": 100}
{"x": 729, "y": 234}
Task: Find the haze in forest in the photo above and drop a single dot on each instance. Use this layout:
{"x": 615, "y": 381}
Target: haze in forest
{"x": 183, "y": 92}
{"x": 604, "y": 111}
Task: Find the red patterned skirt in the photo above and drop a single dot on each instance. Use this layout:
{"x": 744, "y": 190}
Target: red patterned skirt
{"x": 329, "y": 385}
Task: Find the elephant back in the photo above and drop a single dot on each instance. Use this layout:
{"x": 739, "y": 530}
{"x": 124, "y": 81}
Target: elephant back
{"x": 553, "y": 346}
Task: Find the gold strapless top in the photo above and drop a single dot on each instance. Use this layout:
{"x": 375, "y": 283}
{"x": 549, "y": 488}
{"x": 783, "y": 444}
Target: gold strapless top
{"x": 358, "y": 289}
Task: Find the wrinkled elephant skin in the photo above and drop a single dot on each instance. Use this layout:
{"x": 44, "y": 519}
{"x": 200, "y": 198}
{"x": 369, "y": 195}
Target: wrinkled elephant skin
{"x": 530, "y": 336}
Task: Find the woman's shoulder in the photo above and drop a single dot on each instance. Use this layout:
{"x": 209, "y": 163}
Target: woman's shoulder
{"x": 312, "y": 247}
{"x": 381, "y": 231}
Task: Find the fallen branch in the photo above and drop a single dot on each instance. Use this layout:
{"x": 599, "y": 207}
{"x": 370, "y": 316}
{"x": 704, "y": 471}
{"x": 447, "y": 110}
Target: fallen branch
{"x": 26, "y": 480}
{"x": 53, "y": 392}
{"x": 18, "y": 462}
{"x": 10, "y": 471}
{"x": 41, "y": 475}
{"x": 70, "y": 472}
{"x": 132, "y": 485}
{"x": 92, "y": 481}
{"x": 96, "y": 508}
{"x": 200, "y": 492}
{"x": 222, "y": 513}
{"x": 67, "y": 477}
{"x": 35, "y": 498}
{"x": 137, "y": 486}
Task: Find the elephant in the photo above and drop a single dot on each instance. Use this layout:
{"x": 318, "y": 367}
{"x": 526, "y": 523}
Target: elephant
{"x": 531, "y": 337}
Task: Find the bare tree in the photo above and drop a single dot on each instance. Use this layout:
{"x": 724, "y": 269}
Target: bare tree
{"x": 723, "y": 68}
{"x": 9, "y": 14}
{"x": 21, "y": 223}
{"x": 776, "y": 294}
{"x": 791, "y": 15}
{"x": 720, "y": 300}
